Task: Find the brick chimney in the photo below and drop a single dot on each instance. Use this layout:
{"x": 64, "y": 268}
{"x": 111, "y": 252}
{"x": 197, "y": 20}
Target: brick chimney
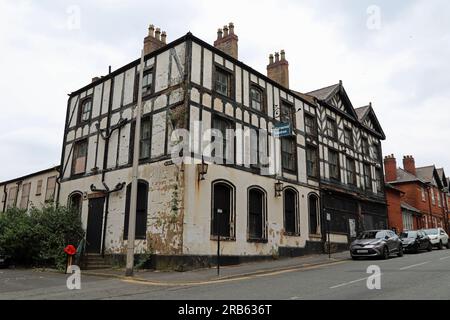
{"x": 390, "y": 168}
{"x": 227, "y": 40}
{"x": 154, "y": 40}
{"x": 409, "y": 164}
{"x": 278, "y": 70}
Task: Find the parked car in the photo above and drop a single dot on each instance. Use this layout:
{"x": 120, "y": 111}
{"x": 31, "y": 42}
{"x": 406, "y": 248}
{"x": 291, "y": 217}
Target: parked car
{"x": 438, "y": 237}
{"x": 5, "y": 260}
{"x": 414, "y": 241}
{"x": 376, "y": 243}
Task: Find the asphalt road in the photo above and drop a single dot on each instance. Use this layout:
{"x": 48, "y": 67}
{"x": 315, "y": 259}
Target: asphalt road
{"x": 416, "y": 276}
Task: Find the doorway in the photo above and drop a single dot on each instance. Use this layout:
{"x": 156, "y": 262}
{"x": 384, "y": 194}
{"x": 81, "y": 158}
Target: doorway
{"x": 94, "y": 225}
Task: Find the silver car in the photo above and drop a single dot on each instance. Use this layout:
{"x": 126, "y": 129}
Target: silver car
{"x": 376, "y": 243}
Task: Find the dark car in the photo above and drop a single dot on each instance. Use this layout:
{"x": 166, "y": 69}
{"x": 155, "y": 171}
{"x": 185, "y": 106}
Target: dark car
{"x": 414, "y": 241}
{"x": 376, "y": 243}
{"x": 5, "y": 260}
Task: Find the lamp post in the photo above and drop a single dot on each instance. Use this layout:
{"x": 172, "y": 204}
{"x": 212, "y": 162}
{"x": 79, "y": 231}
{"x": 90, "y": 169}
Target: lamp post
{"x": 134, "y": 181}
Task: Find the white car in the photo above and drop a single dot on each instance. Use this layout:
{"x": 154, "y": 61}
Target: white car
{"x": 438, "y": 237}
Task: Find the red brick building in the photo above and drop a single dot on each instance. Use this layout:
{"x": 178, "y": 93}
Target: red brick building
{"x": 416, "y": 197}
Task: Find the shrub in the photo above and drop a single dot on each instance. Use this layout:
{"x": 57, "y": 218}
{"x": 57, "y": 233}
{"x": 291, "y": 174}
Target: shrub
{"x": 38, "y": 237}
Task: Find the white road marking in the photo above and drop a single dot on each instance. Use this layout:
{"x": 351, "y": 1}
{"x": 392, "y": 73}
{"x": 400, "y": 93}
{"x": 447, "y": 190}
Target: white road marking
{"x": 444, "y": 258}
{"x": 414, "y": 265}
{"x": 350, "y": 282}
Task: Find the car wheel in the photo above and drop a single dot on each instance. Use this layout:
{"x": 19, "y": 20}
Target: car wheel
{"x": 430, "y": 247}
{"x": 441, "y": 245}
{"x": 385, "y": 254}
{"x": 400, "y": 251}
{"x": 355, "y": 258}
{"x": 448, "y": 244}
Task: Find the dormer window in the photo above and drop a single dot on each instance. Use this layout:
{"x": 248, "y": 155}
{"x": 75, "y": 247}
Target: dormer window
{"x": 85, "y": 110}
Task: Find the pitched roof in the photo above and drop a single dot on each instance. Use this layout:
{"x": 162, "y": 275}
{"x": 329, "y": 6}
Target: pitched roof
{"x": 325, "y": 93}
{"x": 307, "y": 97}
{"x": 361, "y": 112}
{"x": 425, "y": 173}
{"x": 408, "y": 207}
{"x": 404, "y": 176}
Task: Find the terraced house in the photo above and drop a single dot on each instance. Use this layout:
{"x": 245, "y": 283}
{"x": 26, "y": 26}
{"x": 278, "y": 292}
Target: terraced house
{"x": 263, "y": 200}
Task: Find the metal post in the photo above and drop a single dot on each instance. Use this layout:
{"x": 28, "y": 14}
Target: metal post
{"x": 219, "y": 211}
{"x": 328, "y": 216}
{"x": 134, "y": 181}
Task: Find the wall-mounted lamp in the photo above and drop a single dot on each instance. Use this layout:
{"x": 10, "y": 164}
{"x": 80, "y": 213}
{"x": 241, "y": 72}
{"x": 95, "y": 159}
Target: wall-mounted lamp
{"x": 278, "y": 188}
{"x": 202, "y": 169}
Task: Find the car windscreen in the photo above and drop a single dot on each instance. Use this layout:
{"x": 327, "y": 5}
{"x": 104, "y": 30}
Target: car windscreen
{"x": 431, "y": 231}
{"x": 371, "y": 235}
{"x": 409, "y": 234}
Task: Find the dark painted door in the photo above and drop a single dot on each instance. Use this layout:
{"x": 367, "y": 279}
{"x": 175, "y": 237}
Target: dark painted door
{"x": 94, "y": 225}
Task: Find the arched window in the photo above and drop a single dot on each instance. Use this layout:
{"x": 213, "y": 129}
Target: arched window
{"x": 256, "y": 214}
{"x": 313, "y": 214}
{"x": 291, "y": 225}
{"x": 141, "y": 211}
{"x": 222, "y": 216}
{"x": 75, "y": 202}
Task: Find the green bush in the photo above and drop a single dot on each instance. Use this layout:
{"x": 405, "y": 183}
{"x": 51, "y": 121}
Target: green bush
{"x": 38, "y": 237}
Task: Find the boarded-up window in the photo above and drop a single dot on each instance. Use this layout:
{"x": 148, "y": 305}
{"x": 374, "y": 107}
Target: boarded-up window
{"x": 256, "y": 214}
{"x": 291, "y": 226}
{"x": 12, "y": 195}
{"x": 79, "y": 157}
{"x": 50, "y": 191}
{"x": 141, "y": 211}
{"x": 39, "y": 188}
{"x": 25, "y": 196}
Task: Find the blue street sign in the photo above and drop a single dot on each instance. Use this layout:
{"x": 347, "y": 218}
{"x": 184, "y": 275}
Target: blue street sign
{"x": 282, "y": 130}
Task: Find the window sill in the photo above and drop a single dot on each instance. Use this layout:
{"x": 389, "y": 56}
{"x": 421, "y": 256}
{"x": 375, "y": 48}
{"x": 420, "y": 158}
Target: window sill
{"x": 257, "y": 240}
{"x": 222, "y": 238}
{"x": 292, "y": 234}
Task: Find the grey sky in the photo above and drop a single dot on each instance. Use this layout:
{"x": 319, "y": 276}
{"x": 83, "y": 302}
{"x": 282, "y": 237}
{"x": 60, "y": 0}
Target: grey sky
{"x": 402, "y": 68}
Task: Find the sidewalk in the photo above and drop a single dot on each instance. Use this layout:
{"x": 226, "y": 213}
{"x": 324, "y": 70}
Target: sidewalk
{"x": 226, "y": 273}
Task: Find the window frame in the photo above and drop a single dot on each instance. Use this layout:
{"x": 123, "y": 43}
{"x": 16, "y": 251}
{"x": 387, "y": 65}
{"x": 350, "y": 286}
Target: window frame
{"x": 75, "y": 156}
{"x": 292, "y": 155}
{"x": 367, "y": 176}
{"x": 349, "y": 160}
{"x": 232, "y": 218}
{"x": 23, "y": 205}
{"x": 52, "y": 198}
{"x": 365, "y": 146}
{"x": 297, "y": 230}
{"x": 317, "y": 214}
{"x": 313, "y": 118}
{"x": 261, "y": 91}
{"x": 39, "y": 187}
{"x": 335, "y": 131}
{"x": 81, "y": 112}
{"x": 284, "y": 104}
{"x": 350, "y": 143}
{"x": 228, "y": 144}
{"x": 144, "y": 217}
{"x": 263, "y": 194}
{"x": 308, "y": 148}
{"x": 337, "y": 165}
{"x": 148, "y": 139}
{"x": 219, "y": 70}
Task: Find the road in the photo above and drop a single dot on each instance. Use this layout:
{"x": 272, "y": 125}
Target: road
{"x": 416, "y": 276}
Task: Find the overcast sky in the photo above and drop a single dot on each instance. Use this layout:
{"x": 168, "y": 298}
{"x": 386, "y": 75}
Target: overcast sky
{"x": 395, "y": 54}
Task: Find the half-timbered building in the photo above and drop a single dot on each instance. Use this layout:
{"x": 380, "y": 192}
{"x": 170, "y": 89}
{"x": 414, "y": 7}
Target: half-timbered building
{"x": 348, "y": 142}
{"x": 262, "y": 201}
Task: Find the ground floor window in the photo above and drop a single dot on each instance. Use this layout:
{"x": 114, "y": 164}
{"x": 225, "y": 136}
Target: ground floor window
{"x": 256, "y": 214}
{"x": 222, "y": 220}
{"x": 291, "y": 225}
{"x": 75, "y": 202}
{"x": 141, "y": 211}
{"x": 408, "y": 221}
{"x": 313, "y": 204}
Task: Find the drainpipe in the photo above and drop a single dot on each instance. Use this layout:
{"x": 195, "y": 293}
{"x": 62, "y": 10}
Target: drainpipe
{"x": 429, "y": 203}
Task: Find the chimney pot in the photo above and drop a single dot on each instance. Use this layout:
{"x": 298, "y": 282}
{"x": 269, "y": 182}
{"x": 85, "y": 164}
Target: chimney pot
{"x": 163, "y": 37}
{"x": 390, "y": 166}
{"x": 219, "y": 34}
{"x": 409, "y": 164}
{"x": 151, "y": 31}
{"x": 283, "y": 55}
{"x": 158, "y": 34}
{"x": 225, "y": 31}
{"x": 271, "y": 59}
{"x": 231, "y": 27}
{"x": 277, "y": 57}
